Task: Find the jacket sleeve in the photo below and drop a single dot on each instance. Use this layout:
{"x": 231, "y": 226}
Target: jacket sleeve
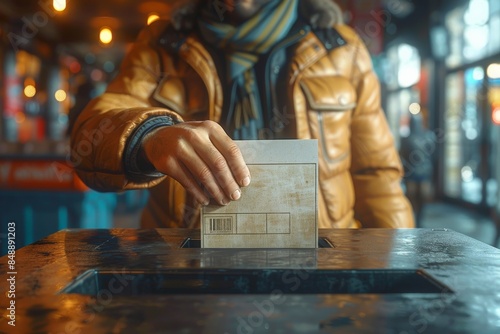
{"x": 106, "y": 137}
{"x": 376, "y": 167}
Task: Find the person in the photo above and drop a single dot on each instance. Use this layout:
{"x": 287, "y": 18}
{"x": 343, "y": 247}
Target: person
{"x": 218, "y": 71}
{"x": 416, "y": 153}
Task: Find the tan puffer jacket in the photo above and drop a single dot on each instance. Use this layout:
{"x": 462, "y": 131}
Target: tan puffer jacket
{"x": 336, "y": 100}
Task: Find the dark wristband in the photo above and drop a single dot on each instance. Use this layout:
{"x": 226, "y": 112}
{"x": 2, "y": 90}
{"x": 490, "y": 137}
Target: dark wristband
{"x": 135, "y": 163}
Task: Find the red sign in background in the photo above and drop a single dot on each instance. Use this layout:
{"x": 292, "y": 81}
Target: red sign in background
{"x": 39, "y": 175}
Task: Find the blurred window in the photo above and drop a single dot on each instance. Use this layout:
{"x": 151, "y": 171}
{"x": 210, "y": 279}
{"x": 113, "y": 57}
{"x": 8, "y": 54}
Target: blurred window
{"x": 403, "y": 68}
{"x": 22, "y": 112}
{"x": 473, "y": 31}
{"x": 493, "y": 191}
{"x": 463, "y": 126}
{"x": 471, "y": 144}
{"x": 398, "y": 114}
{"x": 37, "y": 97}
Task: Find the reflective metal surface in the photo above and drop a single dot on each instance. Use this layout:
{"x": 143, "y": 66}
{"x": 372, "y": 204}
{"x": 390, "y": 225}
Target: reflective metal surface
{"x": 141, "y": 281}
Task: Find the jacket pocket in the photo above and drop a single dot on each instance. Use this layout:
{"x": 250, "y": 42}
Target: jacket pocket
{"x": 171, "y": 93}
{"x": 190, "y": 103}
{"x": 330, "y": 101}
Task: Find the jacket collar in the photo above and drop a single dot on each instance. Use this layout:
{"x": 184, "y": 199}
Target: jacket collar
{"x": 321, "y": 15}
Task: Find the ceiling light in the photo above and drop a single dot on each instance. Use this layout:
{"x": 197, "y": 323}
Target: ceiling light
{"x": 105, "y": 36}
{"x": 153, "y": 17}
{"x": 59, "y": 5}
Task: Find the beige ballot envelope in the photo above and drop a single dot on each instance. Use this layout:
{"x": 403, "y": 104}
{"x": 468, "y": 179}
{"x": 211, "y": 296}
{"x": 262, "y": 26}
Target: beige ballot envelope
{"x": 279, "y": 209}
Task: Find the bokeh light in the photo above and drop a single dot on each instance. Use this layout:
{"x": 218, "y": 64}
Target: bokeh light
{"x": 29, "y": 91}
{"x": 493, "y": 71}
{"x": 105, "y": 36}
{"x": 60, "y": 95}
{"x": 153, "y": 17}
{"x": 59, "y": 5}
{"x": 415, "y": 108}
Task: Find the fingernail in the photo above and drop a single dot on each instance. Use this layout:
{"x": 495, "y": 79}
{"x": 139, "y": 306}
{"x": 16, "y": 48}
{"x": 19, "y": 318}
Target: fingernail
{"x": 224, "y": 202}
{"x": 205, "y": 202}
{"x": 246, "y": 181}
{"x": 236, "y": 195}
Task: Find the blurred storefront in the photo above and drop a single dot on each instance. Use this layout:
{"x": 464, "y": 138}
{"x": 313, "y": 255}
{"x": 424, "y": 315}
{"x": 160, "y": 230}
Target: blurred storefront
{"x": 470, "y": 120}
{"x": 40, "y": 87}
{"x": 453, "y": 82}
{"x": 436, "y": 59}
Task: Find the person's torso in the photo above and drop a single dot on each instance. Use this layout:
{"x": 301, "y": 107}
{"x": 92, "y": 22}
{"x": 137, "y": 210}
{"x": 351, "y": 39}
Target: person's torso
{"x": 308, "y": 94}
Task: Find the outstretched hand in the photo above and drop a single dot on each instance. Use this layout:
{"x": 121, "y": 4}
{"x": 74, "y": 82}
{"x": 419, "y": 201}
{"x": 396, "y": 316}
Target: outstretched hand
{"x": 201, "y": 157}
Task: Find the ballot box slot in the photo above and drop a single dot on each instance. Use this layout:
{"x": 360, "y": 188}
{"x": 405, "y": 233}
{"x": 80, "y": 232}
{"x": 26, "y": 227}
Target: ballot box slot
{"x": 196, "y": 243}
{"x": 255, "y": 281}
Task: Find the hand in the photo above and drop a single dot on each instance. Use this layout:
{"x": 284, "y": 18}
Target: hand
{"x": 199, "y": 155}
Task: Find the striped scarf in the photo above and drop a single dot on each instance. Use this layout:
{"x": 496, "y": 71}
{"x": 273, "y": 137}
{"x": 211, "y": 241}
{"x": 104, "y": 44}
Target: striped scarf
{"x": 242, "y": 46}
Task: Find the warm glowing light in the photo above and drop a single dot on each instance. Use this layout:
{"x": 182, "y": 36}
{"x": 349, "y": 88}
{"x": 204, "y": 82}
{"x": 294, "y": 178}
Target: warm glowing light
{"x": 59, "y": 5}
{"x": 495, "y": 115}
{"x": 493, "y": 71}
{"x": 75, "y": 67}
{"x": 20, "y": 117}
{"x": 153, "y": 17}
{"x": 29, "y": 81}
{"x": 106, "y": 36}
{"x": 60, "y": 95}
{"x": 494, "y": 95}
{"x": 29, "y": 91}
{"x": 415, "y": 108}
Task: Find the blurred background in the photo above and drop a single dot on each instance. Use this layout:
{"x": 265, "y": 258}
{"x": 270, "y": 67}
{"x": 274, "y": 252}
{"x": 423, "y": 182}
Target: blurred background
{"x": 438, "y": 62}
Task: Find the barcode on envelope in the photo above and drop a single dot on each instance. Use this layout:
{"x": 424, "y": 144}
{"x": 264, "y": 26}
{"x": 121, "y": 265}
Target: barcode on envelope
{"x": 221, "y": 224}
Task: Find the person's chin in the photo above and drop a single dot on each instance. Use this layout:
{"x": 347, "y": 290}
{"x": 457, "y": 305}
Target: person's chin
{"x": 244, "y": 9}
